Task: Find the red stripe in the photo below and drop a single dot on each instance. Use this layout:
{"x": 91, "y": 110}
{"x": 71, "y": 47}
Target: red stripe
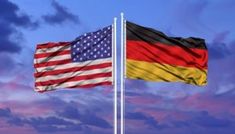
{"x": 167, "y": 54}
{"x": 84, "y": 86}
{"x": 52, "y": 54}
{"x": 93, "y": 85}
{"x": 52, "y": 44}
{"x": 70, "y": 79}
{"x": 51, "y": 63}
{"x": 72, "y": 69}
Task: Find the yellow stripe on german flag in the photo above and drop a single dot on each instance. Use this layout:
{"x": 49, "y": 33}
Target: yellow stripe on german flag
{"x": 164, "y": 72}
{"x": 153, "y": 56}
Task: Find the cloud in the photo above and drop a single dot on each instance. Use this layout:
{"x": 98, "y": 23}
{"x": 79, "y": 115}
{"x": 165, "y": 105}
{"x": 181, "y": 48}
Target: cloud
{"x": 52, "y": 124}
{"x": 70, "y": 113}
{"x": 66, "y": 120}
{"x": 7, "y": 45}
{"x": 5, "y": 112}
{"x": 88, "y": 117}
{"x": 188, "y": 14}
{"x": 60, "y": 16}
{"x": 10, "y": 18}
{"x": 203, "y": 119}
{"x": 41, "y": 124}
{"x": 10, "y": 13}
{"x": 7, "y": 64}
{"x": 204, "y": 111}
{"x": 11, "y": 118}
{"x": 148, "y": 120}
{"x": 221, "y": 36}
{"x": 218, "y": 49}
{"x": 136, "y": 116}
{"x": 136, "y": 84}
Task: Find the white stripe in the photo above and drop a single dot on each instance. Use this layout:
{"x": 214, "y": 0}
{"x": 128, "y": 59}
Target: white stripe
{"x": 73, "y": 64}
{"x": 53, "y": 49}
{"x": 73, "y": 74}
{"x": 74, "y": 83}
{"x": 52, "y": 58}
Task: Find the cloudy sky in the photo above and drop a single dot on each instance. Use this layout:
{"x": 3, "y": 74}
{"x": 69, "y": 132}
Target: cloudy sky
{"x": 162, "y": 108}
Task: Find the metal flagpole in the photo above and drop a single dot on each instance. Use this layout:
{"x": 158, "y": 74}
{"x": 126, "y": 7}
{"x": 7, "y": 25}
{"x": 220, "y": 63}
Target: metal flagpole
{"x": 114, "y": 74}
{"x": 122, "y": 74}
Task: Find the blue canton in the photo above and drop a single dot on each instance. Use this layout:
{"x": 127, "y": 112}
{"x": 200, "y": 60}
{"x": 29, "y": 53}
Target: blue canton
{"x": 94, "y": 45}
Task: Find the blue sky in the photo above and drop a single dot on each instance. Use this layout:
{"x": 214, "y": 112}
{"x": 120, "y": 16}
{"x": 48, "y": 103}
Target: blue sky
{"x": 163, "y": 108}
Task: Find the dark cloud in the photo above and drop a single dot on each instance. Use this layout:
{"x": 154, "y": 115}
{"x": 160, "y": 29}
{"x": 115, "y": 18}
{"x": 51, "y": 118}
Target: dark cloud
{"x": 17, "y": 121}
{"x": 91, "y": 119}
{"x": 198, "y": 111}
{"x": 218, "y": 50}
{"x": 7, "y": 45}
{"x": 10, "y": 13}
{"x": 69, "y": 119}
{"x": 203, "y": 119}
{"x": 5, "y": 112}
{"x": 46, "y": 124}
{"x": 53, "y": 124}
{"x": 136, "y": 116}
{"x": 220, "y": 37}
{"x": 6, "y": 64}
{"x": 60, "y": 16}
{"x": 148, "y": 120}
{"x": 11, "y": 119}
{"x": 10, "y": 18}
{"x": 153, "y": 123}
{"x": 180, "y": 124}
{"x": 70, "y": 113}
{"x": 88, "y": 118}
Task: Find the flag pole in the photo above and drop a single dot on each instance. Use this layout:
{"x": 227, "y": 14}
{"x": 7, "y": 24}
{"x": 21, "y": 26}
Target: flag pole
{"x": 114, "y": 64}
{"x": 124, "y": 77}
{"x": 122, "y": 74}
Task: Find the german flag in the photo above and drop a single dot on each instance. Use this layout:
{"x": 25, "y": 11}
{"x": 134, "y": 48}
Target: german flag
{"x": 153, "y": 56}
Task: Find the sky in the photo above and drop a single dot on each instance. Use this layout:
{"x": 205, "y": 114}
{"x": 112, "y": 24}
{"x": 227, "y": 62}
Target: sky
{"x": 162, "y": 108}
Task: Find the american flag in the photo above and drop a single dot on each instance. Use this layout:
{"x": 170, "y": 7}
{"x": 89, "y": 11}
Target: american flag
{"x": 85, "y": 62}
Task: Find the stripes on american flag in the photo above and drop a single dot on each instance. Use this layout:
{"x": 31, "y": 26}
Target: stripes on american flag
{"x": 84, "y": 63}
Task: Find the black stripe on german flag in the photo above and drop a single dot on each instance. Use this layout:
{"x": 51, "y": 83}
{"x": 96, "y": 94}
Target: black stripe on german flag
{"x": 137, "y": 32}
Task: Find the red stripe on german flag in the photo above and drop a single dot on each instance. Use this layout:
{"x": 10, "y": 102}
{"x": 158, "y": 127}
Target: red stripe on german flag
{"x": 161, "y": 53}
{"x": 153, "y": 56}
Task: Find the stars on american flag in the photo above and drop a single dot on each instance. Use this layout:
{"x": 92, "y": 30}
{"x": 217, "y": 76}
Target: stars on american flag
{"x": 91, "y": 46}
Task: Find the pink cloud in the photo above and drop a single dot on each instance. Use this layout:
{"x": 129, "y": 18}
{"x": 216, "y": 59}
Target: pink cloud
{"x": 208, "y": 102}
{"x": 10, "y": 129}
{"x": 164, "y": 116}
{"x": 142, "y": 100}
{"x": 32, "y": 109}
